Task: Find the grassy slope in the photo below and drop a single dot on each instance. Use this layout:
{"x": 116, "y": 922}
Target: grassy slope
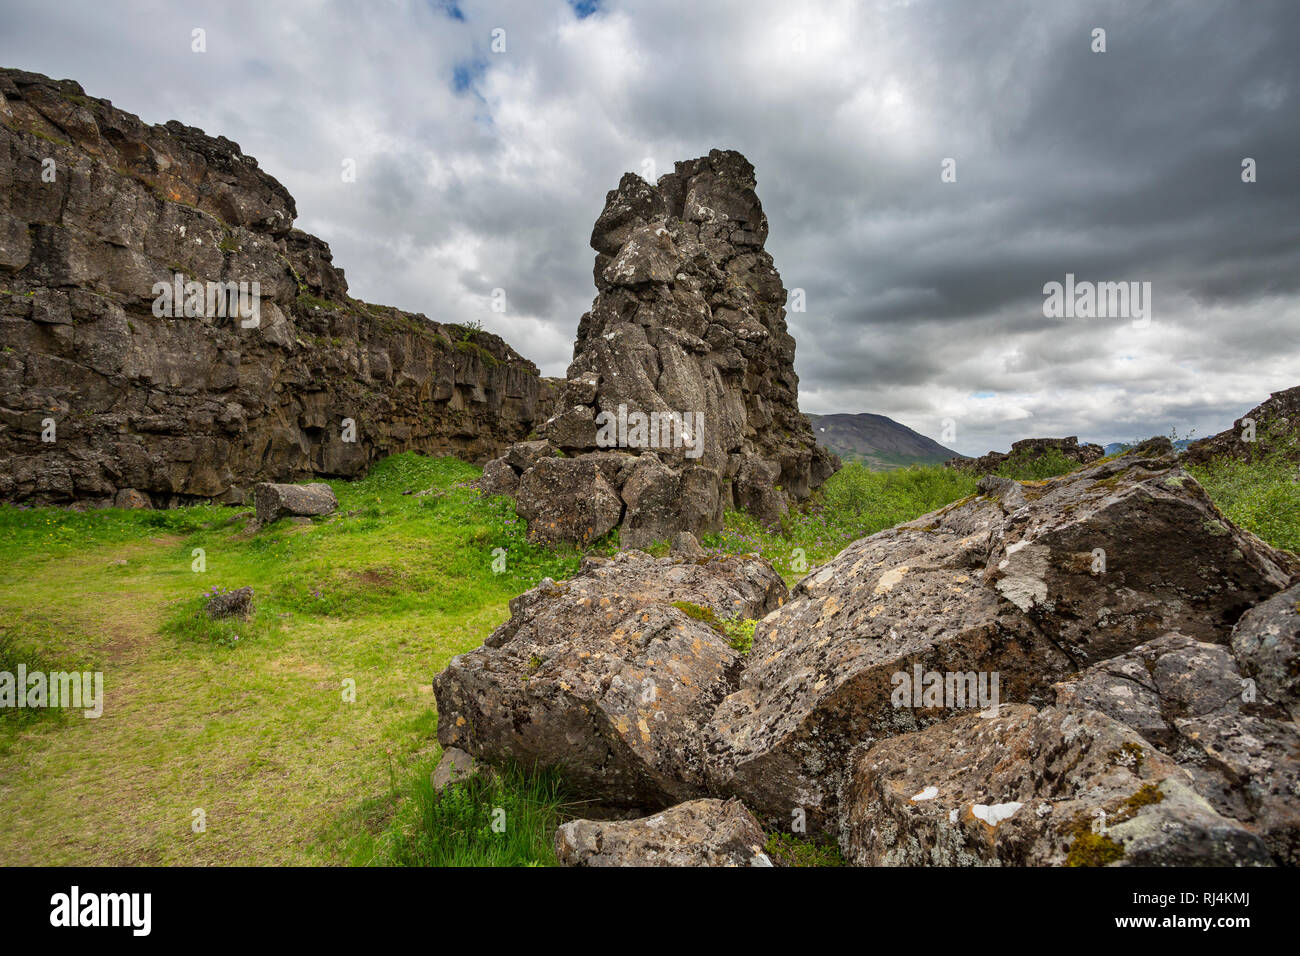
{"x": 255, "y": 733}
{"x": 247, "y": 720}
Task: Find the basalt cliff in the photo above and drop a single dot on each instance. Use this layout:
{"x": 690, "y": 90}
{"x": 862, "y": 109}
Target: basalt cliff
{"x": 101, "y": 397}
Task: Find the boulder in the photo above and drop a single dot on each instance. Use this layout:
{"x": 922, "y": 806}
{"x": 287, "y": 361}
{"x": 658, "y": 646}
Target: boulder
{"x": 1032, "y": 788}
{"x": 1266, "y": 643}
{"x": 129, "y": 498}
{"x": 1271, "y": 427}
{"x": 1028, "y": 449}
{"x": 609, "y": 676}
{"x": 696, "y": 833}
{"x": 567, "y": 499}
{"x": 499, "y": 478}
{"x": 277, "y": 501}
{"x": 1030, "y": 581}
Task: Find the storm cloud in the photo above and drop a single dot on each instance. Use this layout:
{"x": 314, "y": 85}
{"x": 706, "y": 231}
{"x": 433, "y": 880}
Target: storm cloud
{"x": 486, "y": 134}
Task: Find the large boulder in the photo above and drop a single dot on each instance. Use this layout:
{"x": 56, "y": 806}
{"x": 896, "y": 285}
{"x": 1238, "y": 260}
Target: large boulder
{"x": 275, "y": 501}
{"x": 685, "y": 357}
{"x": 697, "y": 833}
{"x": 1266, "y": 642}
{"x": 610, "y": 676}
{"x": 1030, "y": 582}
{"x": 1032, "y": 788}
{"x": 567, "y": 499}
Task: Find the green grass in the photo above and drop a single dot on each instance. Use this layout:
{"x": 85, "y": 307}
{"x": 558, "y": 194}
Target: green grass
{"x": 508, "y": 820}
{"x": 1026, "y": 467}
{"x": 248, "y": 719}
{"x": 1263, "y": 495}
{"x": 253, "y": 731}
{"x": 853, "y": 503}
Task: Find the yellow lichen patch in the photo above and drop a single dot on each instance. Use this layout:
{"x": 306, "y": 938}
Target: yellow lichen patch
{"x": 876, "y": 610}
{"x": 642, "y": 726}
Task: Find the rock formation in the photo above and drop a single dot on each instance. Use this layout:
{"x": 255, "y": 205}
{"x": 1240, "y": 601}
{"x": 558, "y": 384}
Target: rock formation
{"x": 1098, "y": 668}
{"x": 100, "y": 395}
{"x": 688, "y": 329}
{"x": 1272, "y": 426}
{"x": 1028, "y": 449}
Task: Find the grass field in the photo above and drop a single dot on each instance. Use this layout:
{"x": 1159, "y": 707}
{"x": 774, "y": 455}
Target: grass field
{"x": 248, "y": 723}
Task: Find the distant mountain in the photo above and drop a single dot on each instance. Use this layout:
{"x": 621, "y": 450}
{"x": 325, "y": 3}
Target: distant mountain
{"x": 878, "y": 442}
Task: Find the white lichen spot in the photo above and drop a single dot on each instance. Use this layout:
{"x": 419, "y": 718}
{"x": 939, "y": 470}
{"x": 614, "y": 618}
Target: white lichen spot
{"x": 929, "y": 793}
{"x": 995, "y": 814}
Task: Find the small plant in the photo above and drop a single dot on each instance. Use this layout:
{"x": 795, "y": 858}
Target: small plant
{"x": 786, "y": 849}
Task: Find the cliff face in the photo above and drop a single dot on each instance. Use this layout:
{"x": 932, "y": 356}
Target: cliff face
{"x": 99, "y": 393}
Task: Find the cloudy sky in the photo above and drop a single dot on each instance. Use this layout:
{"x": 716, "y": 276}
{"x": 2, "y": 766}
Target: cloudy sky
{"x": 479, "y": 169}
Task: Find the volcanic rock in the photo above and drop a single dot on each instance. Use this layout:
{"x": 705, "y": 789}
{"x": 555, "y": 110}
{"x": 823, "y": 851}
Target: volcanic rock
{"x": 182, "y": 407}
{"x": 609, "y": 676}
{"x": 689, "y": 330}
{"x": 697, "y": 833}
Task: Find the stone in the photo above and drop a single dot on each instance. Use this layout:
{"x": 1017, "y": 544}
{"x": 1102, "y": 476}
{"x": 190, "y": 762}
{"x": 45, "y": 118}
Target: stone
{"x": 685, "y": 544}
{"x": 609, "y": 676}
{"x": 1028, "y": 449}
{"x": 1032, "y": 788}
{"x": 567, "y": 499}
{"x": 129, "y": 498}
{"x": 696, "y": 833}
{"x": 990, "y": 584}
{"x": 499, "y": 478}
{"x": 1239, "y": 749}
{"x": 237, "y": 603}
{"x": 1266, "y": 642}
{"x": 275, "y": 501}
{"x": 458, "y": 767}
{"x": 1271, "y": 427}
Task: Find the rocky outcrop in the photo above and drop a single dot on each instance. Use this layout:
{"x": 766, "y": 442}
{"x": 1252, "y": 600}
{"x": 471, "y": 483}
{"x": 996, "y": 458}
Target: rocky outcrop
{"x": 1094, "y": 669}
{"x": 1030, "y": 581}
{"x": 684, "y": 362}
{"x": 1271, "y": 427}
{"x": 610, "y": 675}
{"x": 698, "y": 833}
{"x": 1027, "y": 450}
{"x": 109, "y": 384}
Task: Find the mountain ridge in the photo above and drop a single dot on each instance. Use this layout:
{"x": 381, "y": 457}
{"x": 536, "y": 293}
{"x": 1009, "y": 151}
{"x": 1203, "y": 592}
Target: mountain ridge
{"x": 876, "y": 441}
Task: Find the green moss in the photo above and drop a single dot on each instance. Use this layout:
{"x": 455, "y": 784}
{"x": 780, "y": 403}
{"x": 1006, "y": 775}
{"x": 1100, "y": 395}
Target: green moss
{"x": 1147, "y": 795}
{"x": 704, "y": 614}
{"x": 1093, "y": 849}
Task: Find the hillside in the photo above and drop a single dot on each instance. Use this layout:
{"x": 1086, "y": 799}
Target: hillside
{"x": 876, "y": 441}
